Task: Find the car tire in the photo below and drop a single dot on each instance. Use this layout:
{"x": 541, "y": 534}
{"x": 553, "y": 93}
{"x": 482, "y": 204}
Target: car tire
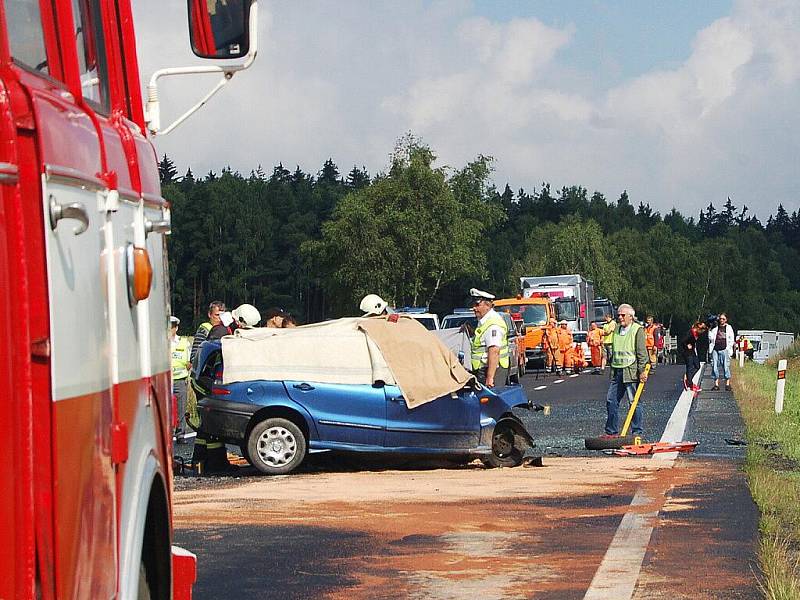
{"x": 504, "y": 452}
{"x": 608, "y": 443}
{"x": 276, "y": 446}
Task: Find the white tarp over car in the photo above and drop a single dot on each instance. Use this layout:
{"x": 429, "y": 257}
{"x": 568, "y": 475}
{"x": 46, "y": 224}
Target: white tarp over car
{"x": 396, "y": 351}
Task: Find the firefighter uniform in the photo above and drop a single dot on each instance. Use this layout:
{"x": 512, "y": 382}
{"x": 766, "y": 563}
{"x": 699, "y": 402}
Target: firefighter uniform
{"x": 180, "y": 378}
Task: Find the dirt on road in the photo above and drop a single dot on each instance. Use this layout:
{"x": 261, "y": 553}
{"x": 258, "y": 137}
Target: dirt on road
{"x": 440, "y": 533}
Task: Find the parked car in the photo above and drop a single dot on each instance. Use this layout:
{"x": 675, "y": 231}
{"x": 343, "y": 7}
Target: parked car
{"x": 516, "y": 342}
{"x": 276, "y": 423}
{"x": 428, "y": 319}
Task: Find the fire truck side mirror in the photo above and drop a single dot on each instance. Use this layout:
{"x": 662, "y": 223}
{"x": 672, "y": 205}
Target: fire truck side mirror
{"x": 220, "y": 28}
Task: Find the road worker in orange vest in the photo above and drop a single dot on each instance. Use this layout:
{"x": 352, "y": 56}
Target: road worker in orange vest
{"x": 595, "y": 341}
{"x": 650, "y": 341}
{"x": 578, "y": 357}
{"x": 550, "y": 346}
{"x": 564, "y": 343}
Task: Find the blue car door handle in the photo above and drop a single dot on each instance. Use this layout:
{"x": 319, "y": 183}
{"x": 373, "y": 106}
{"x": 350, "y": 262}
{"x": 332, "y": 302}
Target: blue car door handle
{"x": 396, "y": 398}
{"x": 303, "y": 387}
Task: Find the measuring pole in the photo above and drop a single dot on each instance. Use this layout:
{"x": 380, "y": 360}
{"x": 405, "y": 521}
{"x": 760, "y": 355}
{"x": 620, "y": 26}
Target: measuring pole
{"x": 779, "y": 390}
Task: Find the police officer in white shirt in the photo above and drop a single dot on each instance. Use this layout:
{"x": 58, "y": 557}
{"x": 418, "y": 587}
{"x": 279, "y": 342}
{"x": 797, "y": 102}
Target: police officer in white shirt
{"x": 490, "y": 352}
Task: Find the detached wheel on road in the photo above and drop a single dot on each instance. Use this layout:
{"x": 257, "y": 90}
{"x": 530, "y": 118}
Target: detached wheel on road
{"x": 606, "y": 443}
{"x": 276, "y": 446}
{"x": 504, "y": 453}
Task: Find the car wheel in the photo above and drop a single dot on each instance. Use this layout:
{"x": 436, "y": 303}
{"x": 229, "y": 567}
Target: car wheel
{"x": 504, "y": 453}
{"x": 276, "y": 446}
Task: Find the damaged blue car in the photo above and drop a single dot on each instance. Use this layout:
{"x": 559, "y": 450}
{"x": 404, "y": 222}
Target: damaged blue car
{"x": 276, "y": 422}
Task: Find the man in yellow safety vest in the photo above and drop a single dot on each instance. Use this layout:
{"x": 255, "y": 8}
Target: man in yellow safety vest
{"x": 180, "y": 374}
{"x": 628, "y": 361}
{"x": 490, "y": 351}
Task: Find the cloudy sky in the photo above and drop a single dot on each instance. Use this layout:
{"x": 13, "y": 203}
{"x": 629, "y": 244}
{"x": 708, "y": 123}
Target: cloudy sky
{"x": 680, "y": 103}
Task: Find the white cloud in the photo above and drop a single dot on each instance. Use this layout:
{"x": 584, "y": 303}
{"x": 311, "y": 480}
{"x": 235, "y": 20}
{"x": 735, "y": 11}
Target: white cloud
{"x": 345, "y": 80}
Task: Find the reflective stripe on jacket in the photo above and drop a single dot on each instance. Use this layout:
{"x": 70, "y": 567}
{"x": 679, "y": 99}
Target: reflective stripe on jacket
{"x": 180, "y": 357}
{"x": 480, "y": 353}
{"x": 623, "y": 347}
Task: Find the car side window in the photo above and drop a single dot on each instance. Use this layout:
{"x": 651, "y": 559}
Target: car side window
{"x": 25, "y": 34}
{"x": 88, "y": 27}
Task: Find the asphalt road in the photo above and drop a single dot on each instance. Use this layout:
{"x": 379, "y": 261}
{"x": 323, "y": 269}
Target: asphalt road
{"x": 578, "y": 408}
{"x": 357, "y": 528}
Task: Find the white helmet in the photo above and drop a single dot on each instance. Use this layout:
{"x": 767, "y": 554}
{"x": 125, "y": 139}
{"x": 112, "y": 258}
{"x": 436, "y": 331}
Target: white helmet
{"x": 246, "y": 315}
{"x": 372, "y": 304}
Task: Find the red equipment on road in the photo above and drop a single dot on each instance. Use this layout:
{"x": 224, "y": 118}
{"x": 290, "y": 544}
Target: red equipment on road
{"x": 655, "y": 447}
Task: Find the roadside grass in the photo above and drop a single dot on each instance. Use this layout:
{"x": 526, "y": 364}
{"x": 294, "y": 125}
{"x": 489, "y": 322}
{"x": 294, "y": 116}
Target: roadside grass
{"x": 773, "y": 469}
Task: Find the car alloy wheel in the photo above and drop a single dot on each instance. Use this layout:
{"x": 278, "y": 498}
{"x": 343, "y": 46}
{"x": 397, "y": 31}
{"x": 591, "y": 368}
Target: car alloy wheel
{"x": 276, "y": 446}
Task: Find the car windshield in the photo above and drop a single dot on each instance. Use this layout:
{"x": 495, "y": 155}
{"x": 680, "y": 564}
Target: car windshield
{"x": 532, "y": 314}
{"x": 428, "y": 322}
{"x": 579, "y": 336}
{"x": 567, "y": 309}
{"x": 459, "y": 320}
{"x": 601, "y": 311}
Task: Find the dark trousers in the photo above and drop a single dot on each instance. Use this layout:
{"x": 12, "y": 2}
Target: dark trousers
{"x": 617, "y": 390}
{"x": 500, "y": 376}
{"x": 692, "y": 367}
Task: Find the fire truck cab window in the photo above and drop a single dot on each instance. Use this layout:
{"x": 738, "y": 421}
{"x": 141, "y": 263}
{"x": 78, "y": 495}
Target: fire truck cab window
{"x": 91, "y": 52}
{"x": 25, "y": 36}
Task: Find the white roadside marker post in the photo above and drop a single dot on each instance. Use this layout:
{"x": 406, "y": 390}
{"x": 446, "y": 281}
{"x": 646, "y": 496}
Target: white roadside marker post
{"x": 779, "y": 389}
{"x": 741, "y": 357}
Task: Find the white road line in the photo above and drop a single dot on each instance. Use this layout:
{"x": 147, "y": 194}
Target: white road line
{"x": 541, "y": 387}
{"x": 558, "y": 381}
{"x": 574, "y": 375}
{"x": 616, "y": 577}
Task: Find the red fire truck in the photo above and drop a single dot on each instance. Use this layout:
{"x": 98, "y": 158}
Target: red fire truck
{"x": 85, "y": 464}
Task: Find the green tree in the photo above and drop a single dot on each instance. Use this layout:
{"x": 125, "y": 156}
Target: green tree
{"x": 403, "y": 236}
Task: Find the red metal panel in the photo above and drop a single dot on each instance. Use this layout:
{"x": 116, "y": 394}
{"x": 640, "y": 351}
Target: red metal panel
{"x": 85, "y": 510}
{"x": 129, "y": 59}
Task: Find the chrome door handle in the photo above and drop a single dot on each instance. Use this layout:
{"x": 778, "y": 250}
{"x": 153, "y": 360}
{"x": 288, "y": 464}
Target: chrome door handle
{"x": 303, "y": 387}
{"x": 163, "y": 226}
{"x": 396, "y": 399}
{"x": 73, "y": 210}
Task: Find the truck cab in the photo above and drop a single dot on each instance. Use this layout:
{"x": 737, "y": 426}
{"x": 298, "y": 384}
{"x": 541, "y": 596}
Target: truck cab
{"x": 535, "y": 311}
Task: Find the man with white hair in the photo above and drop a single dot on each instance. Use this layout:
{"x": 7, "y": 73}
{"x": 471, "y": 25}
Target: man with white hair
{"x": 629, "y": 358}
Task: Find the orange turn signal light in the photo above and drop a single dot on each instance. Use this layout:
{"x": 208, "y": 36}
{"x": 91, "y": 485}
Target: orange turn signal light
{"x": 140, "y": 273}
{"x": 484, "y": 399}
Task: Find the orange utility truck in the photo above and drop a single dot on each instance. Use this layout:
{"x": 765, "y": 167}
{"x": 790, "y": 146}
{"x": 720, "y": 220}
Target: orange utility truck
{"x": 535, "y": 312}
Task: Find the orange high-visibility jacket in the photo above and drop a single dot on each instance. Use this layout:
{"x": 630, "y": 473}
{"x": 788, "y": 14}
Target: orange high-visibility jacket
{"x": 595, "y": 337}
{"x": 550, "y": 338}
{"x": 564, "y": 339}
{"x": 650, "y": 336}
{"x": 578, "y": 358}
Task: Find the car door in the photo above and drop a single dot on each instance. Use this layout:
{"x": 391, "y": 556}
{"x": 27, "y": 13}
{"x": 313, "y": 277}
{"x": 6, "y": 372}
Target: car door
{"x": 446, "y": 423}
{"x": 343, "y": 414}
